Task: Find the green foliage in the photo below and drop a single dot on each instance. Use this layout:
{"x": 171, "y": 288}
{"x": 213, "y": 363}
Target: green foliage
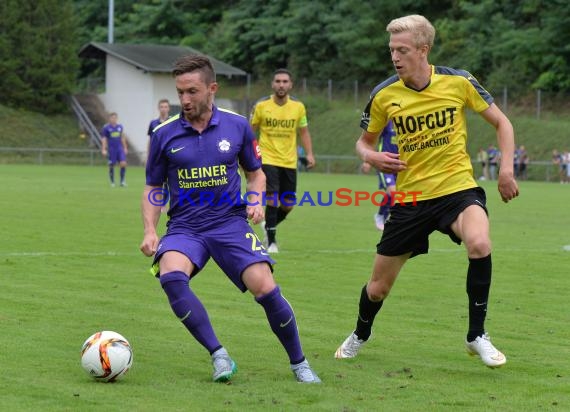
{"x": 38, "y": 53}
{"x": 505, "y": 43}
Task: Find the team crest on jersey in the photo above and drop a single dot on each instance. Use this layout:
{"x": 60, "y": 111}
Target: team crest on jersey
{"x": 224, "y": 145}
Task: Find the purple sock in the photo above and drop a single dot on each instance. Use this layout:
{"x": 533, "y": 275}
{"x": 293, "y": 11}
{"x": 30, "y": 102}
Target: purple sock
{"x": 282, "y": 321}
{"x": 112, "y": 174}
{"x": 188, "y": 308}
{"x": 123, "y": 172}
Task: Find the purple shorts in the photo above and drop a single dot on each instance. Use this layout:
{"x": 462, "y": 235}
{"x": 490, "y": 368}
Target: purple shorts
{"x": 117, "y": 155}
{"x": 233, "y": 246}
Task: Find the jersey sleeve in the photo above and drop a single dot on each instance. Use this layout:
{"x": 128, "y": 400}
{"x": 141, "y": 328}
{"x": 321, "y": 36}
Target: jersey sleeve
{"x": 303, "y": 122}
{"x": 373, "y": 119}
{"x": 478, "y": 99}
{"x": 156, "y": 165}
{"x": 250, "y": 153}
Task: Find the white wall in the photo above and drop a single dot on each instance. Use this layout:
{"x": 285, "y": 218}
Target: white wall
{"x": 129, "y": 92}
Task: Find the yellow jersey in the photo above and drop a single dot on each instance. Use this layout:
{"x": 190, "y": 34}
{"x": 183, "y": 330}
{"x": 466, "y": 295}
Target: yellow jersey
{"x": 431, "y": 129}
{"x": 277, "y": 126}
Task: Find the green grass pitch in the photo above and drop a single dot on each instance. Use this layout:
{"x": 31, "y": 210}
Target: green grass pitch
{"x": 70, "y": 265}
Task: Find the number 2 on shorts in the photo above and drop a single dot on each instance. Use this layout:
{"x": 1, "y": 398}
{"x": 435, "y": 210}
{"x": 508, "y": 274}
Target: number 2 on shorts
{"x": 256, "y": 244}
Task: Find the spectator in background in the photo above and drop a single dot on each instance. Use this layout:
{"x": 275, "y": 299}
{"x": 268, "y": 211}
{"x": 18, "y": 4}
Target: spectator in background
{"x": 516, "y": 162}
{"x": 483, "y": 159}
{"x": 114, "y": 145}
{"x": 493, "y": 158}
{"x": 302, "y": 162}
{"x": 566, "y": 165}
{"x": 523, "y": 160}
{"x": 558, "y": 160}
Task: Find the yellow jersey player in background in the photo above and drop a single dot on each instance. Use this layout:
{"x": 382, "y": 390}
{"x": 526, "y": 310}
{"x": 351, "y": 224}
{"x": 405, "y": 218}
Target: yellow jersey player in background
{"x": 277, "y": 119}
{"x": 427, "y": 106}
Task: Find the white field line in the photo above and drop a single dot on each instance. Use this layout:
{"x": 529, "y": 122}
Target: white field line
{"x": 371, "y": 250}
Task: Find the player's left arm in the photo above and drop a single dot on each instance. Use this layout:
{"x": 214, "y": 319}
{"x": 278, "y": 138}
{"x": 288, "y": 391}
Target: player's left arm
{"x": 255, "y": 186}
{"x": 307, "y": 144}
{"x": 508, "y": 187}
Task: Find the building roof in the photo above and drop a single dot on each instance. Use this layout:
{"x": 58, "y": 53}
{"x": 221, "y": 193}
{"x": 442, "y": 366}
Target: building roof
{"x": 152, "y": 58}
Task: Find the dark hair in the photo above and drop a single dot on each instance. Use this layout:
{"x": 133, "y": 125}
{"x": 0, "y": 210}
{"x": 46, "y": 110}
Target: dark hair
{"x": 163, "y": 101}
{"x": 195, "y": 62}
{"x": 283, "y": 71}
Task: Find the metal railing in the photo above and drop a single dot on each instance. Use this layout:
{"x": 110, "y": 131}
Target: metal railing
{"x": 86, "y": 123}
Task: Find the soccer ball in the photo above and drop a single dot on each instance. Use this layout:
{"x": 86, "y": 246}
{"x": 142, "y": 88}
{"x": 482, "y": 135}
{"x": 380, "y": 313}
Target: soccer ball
{"x": 106, "y": 356}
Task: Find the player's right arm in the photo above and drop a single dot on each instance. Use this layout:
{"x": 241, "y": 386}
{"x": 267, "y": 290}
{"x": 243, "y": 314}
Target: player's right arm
{"x": 104, "y": 145}
{"x": 150, "y": 217}
{"x": 385, "y": 162}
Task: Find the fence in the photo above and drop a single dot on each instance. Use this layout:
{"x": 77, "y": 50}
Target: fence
{"x": 45, "y": 156}
{"x": 536, "y": 170}
{"x": 247, "y": 91}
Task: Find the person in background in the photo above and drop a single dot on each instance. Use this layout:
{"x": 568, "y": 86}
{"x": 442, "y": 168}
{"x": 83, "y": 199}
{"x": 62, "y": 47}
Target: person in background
{"x": 558, "y": 160}
{"x": 493, "y": 159}
{"x": 277, "y": 119}
{"x": 114, "y": 145}
{"x": 163, "y": 115}
{"x": 483, "y": 159}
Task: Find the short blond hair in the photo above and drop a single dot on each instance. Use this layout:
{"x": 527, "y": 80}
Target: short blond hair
{"x": 419, "y": 26}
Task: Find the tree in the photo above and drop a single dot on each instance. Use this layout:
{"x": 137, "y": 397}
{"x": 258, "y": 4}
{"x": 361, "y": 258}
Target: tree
{"x": 38, "y": 60}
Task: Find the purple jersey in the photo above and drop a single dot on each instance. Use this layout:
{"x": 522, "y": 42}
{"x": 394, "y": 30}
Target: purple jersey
{"x": 153, "y": 125}
{"x": 202, "y": 169}
{"x": 388, "y": 141}
{"x": 114, "y": 136}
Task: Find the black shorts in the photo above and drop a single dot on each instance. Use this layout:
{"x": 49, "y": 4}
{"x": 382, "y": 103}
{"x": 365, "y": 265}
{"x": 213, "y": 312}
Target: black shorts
{"x": 408, "y": 227}
{"x": 281, "y": 180}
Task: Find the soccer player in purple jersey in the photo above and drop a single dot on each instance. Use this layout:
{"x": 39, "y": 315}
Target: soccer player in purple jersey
{"x": 114, "y": 144}
{"x": 198, "y": 152}
{"x": 386, "y": 181}
{"x": 163, "y": 115}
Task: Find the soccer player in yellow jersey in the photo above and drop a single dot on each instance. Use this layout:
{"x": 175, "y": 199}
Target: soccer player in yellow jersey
{"x": 427, "y": 106}
{"x": 277, "y": 119}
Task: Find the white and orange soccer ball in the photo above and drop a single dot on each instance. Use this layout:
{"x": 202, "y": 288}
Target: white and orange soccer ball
{"x": 106, "y": 356}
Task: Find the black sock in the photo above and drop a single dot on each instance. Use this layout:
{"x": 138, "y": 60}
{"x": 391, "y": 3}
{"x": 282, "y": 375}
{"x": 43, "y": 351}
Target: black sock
{"x": 478, "y": 285}
{"x": 281, "y": 215}
{"x": 112, "y": 174}
{"x": 271, "y": 223}
{"x": 367, "y": 311}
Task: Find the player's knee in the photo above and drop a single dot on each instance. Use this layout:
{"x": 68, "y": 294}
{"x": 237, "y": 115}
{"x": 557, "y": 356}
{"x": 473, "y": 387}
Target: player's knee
{"x": 258, "y": 279}
{"x": 378, "y": 291}
{"x": 479, "y": 247}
